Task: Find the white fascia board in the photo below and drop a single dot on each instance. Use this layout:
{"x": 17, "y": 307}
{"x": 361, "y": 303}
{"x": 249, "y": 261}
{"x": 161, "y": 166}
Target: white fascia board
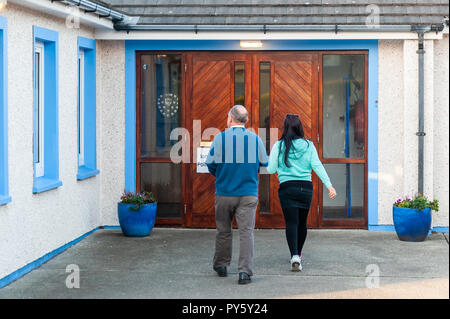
{"x": 64, "y": 11}
{"x": 270, "y": 35}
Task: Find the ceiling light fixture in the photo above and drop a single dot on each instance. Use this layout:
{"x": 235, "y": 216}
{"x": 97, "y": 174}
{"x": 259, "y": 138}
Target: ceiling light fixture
{"x": 3, "y": 4}
{"x": 251, "y": 44}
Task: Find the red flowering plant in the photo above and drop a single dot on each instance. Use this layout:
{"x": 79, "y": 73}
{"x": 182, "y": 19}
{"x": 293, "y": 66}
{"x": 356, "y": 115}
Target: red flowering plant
{"x": 418, "y": 202}
{"x": 137, "y": 199}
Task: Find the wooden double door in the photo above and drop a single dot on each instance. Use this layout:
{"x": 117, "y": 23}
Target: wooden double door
{"x": 194, "y": 91}
{"x": 269, "y": 85}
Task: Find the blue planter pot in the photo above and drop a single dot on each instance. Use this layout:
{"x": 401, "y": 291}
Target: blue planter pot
{"x": 137, "y": 223}
{"x": 411, "y": 224}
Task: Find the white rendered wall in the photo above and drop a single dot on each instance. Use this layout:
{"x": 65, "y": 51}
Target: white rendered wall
{"x": 398, "y": 124}
{"x": 390, "y": 127}
{"x": 35, "y": 224}
{"x": 441, "y": 131}
{"x": 111, "y": 100}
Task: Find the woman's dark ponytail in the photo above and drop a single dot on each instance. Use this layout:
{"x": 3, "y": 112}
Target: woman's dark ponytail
{"x": 292, "y": 130}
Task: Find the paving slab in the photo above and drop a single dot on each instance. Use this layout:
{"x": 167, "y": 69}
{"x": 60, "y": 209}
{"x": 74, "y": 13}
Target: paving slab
{"x": 177, "y": 263}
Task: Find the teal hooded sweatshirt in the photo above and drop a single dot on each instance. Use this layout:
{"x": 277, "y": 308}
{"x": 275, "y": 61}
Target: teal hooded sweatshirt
{"x": 302, "y": 158}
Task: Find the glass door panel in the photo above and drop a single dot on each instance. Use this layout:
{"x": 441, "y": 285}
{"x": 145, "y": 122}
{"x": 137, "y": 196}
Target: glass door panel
{"x": 239, "y": 83}
{"x": 343, "y": 106}
{"x": 264, "y": 126}
{"x": 159, "y": 112}
{"x": 344, "y": 136}
{"x": 164, "y": 180}
{"x": 348, "y": 180}
{"x": 160, "y": 103}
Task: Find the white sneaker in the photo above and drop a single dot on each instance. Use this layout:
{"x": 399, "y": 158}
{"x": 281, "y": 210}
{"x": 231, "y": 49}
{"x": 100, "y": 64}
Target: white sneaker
{"x": 296, "y": 263}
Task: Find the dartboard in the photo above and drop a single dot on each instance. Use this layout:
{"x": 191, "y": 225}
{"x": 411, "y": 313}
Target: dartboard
{"x": 168, "y": 105}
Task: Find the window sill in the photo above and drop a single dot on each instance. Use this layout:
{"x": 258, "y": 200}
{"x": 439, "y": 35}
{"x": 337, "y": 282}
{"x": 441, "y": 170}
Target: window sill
{"x": 42, "y": 184}
{"x": 5, "y": 200}
{"x": 86, "y": 172}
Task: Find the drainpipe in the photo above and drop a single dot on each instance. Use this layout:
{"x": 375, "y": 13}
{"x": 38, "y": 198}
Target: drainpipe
{"x": 421, "y": 132}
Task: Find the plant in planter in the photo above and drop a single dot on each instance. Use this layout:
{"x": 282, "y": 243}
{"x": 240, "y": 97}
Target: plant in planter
{"x": 412, "y": 217}
{"x": 137, "y": 213}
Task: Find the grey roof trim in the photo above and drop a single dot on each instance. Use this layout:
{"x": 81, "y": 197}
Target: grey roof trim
{"x": 267, "y": 28}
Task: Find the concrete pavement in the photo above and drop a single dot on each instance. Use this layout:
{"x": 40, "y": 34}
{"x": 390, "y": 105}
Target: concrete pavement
{"x": 177, "y": 263}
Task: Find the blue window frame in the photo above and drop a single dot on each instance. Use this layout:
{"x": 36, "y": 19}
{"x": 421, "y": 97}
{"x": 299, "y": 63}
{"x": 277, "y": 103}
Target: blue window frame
{"x": 4, "y": 190}
{"x": 87, "y": 135}
{"x": 45, "y": 130}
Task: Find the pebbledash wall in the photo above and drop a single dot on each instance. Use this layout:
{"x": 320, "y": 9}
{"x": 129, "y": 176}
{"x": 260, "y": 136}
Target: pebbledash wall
{"x": 33, "y": 225}
{"x": 398, "y": 124}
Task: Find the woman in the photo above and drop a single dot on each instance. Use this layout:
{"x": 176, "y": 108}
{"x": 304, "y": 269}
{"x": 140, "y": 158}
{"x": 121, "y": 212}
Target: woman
{"x": 293, "y": 157}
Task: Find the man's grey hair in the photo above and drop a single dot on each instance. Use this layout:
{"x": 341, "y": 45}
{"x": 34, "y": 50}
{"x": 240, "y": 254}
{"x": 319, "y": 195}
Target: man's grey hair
{"x": 239, "y": 113}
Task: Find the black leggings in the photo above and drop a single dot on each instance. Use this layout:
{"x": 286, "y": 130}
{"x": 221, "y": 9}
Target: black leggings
{"x": 296, "y": 229}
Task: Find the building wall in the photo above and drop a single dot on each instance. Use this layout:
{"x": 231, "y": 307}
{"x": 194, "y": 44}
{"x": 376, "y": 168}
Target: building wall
{"x": 111, "y": 100}
{"x": 32, "y": 225}
{"x": 441, "y": 130}
{"x": 35, "y": 224}
{"x": 390, "y": 127}
{"x": 398, "y": 124}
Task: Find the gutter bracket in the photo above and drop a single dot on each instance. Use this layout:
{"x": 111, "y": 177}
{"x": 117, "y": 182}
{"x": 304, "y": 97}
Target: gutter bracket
{"x": 93, "y": 10}
{"x": 105, "y": 15}
{"x": 420, "y": 35}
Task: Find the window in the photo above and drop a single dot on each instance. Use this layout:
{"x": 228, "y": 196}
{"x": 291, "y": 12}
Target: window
{"x": 344, "y": 134}
{"x": 264, "y": 122}
{"x": 4, "y": 191}
{"x": 81, "y": 108}
{"x": 343, "y": 100}
{"x": 39, "y": 111}
{"x": 45, "y": 130}
{"x": 159, "y": 112}
{"x": 239, "y": 83}
{"x": 87, "y": 136}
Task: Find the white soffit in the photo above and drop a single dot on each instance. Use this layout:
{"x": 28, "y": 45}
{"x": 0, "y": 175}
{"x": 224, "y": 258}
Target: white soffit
{"x": 270, "y": 35}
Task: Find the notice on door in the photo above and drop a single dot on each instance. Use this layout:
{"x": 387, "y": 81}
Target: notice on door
{"x": 202, "y": 154}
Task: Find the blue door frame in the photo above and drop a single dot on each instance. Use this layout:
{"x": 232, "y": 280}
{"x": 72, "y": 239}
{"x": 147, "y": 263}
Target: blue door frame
{"x": 131, "y": 46}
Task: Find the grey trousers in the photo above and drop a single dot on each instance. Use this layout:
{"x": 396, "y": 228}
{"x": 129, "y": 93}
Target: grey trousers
{"x": 244, "y": 208}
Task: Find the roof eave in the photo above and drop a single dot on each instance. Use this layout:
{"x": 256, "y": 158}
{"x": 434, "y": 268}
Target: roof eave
{"x": 267, "y": 28}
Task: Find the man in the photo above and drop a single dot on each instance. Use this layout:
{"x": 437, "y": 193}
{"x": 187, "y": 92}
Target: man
{"x": 234, "y": 159}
